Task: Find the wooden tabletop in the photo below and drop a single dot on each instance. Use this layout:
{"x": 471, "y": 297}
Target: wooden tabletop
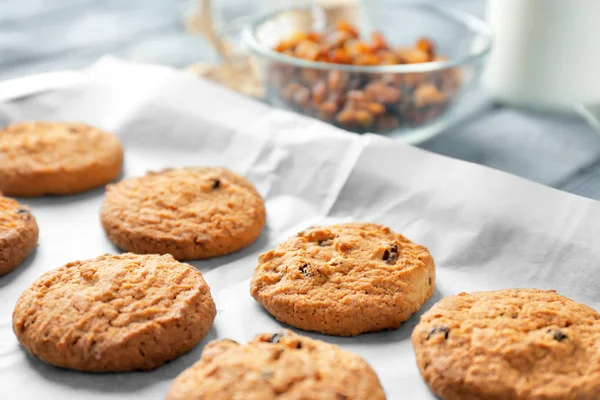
{"x": 38, "y": 36}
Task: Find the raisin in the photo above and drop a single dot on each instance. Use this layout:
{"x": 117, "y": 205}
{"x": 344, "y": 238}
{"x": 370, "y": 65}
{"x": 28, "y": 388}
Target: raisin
{"x": 439, "y": 330}
{"x": 336, "y": 80}
{"x": 558, "y": 335}
{"x": 346, "y": 116}
{"x": 305, "y": 271}
{"x": 276, "y": 337}
{"x": 288, "y": 92}
{"x": 216, "y": 184}
{"x": 328, "y": 107}
{"x": 340, "y": 396}
{"x": 427, "y": 94}
{"x": 299, "y": 345}
{"x": 356, "y": 95}
{"x": 311, "y": 77}
{"x": 390, "y": 256}
{"x": 301, "y": 97}
{"x": 375, "y": 108}
{"x": 364, "y": 118}
{"x": 319, "y": 91}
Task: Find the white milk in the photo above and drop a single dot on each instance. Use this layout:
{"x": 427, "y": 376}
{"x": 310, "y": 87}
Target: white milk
{"x": 546, "y": 53}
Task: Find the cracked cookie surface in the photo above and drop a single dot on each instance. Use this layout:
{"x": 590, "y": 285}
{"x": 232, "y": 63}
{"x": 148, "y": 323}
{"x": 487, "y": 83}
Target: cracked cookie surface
{"x": 282, "y": 366}
{"x": 18, "y": 234}
{"x": 510, "y": 344}
{"x": 114, "y": 313}
{"x": 344, "y": 279}
{"x": 190, "y": 213}
{"x": 40, "y": 158}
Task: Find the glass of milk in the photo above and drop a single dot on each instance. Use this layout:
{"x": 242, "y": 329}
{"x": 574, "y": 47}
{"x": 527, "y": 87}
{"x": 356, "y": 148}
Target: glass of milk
{"x": 546, "y": 53}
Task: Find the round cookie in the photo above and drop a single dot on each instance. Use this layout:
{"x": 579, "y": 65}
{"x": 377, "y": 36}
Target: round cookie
{"x": 190, "y": 213}
{"x": 18, "y": 234}
{"x": 510, "y": 344}
{"x": 344, "y": 279}
{"x": 277, "y": 367}
{"x": 114, "y": 313}
{"x": 40, "y": 158}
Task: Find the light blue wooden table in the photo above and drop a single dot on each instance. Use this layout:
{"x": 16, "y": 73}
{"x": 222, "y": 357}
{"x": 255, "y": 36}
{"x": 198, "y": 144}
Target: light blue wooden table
{"x": 43, "y": 35}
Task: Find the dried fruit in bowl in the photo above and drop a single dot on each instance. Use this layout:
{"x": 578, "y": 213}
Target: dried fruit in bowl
{"x": 362, "y": 101}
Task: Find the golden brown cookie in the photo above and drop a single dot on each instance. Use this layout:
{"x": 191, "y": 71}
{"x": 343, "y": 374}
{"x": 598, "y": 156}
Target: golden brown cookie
{"x": 39, "y": 158}
{"x": 281, "y": 366}
{"x": 344, "y": 279}
{"x": 190, "y": 213}
{"x": 18, "y": 234}
{"x": 114, "y": 313}
{"x": 513, "y": 344}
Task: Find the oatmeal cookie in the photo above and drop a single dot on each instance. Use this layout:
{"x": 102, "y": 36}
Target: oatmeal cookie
{"x": 344, "y": 279}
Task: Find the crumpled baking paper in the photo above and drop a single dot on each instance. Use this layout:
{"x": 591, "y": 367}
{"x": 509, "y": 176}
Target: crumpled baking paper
{"x": 486, "y": 229}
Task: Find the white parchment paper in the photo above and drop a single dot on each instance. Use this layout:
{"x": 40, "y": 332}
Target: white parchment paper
{"x": 485, "y": 229}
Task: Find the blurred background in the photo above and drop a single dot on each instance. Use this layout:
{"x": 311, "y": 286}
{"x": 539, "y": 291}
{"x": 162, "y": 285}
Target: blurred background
{"x": 555, "y": 146}
{"x": 44, "y": 35}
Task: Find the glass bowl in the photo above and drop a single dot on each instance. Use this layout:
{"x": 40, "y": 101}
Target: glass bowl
{"x": 411, "y": 98}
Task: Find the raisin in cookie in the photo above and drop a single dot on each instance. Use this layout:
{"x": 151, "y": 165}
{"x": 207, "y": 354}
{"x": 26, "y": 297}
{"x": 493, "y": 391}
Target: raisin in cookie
{"x": 190, "y": 213}
{"x": 277, "y": 367}
{"x": 510, "y": 344}
{"x": 40, "y": 158}
{"x": 114, "y": 313}
{"x": 344, "y": 279}
{"x": 18, "y": 234}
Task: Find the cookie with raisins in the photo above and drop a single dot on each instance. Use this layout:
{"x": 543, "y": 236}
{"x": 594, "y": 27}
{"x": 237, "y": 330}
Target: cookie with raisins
{"x": 277, "y": 366}
{"x": 344, "y": 279}
{"x": 56, "y": 158}
{"x": 18, "y": 234}
{"x": 510, "y": 344}
{"x": 190, "y": 213}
